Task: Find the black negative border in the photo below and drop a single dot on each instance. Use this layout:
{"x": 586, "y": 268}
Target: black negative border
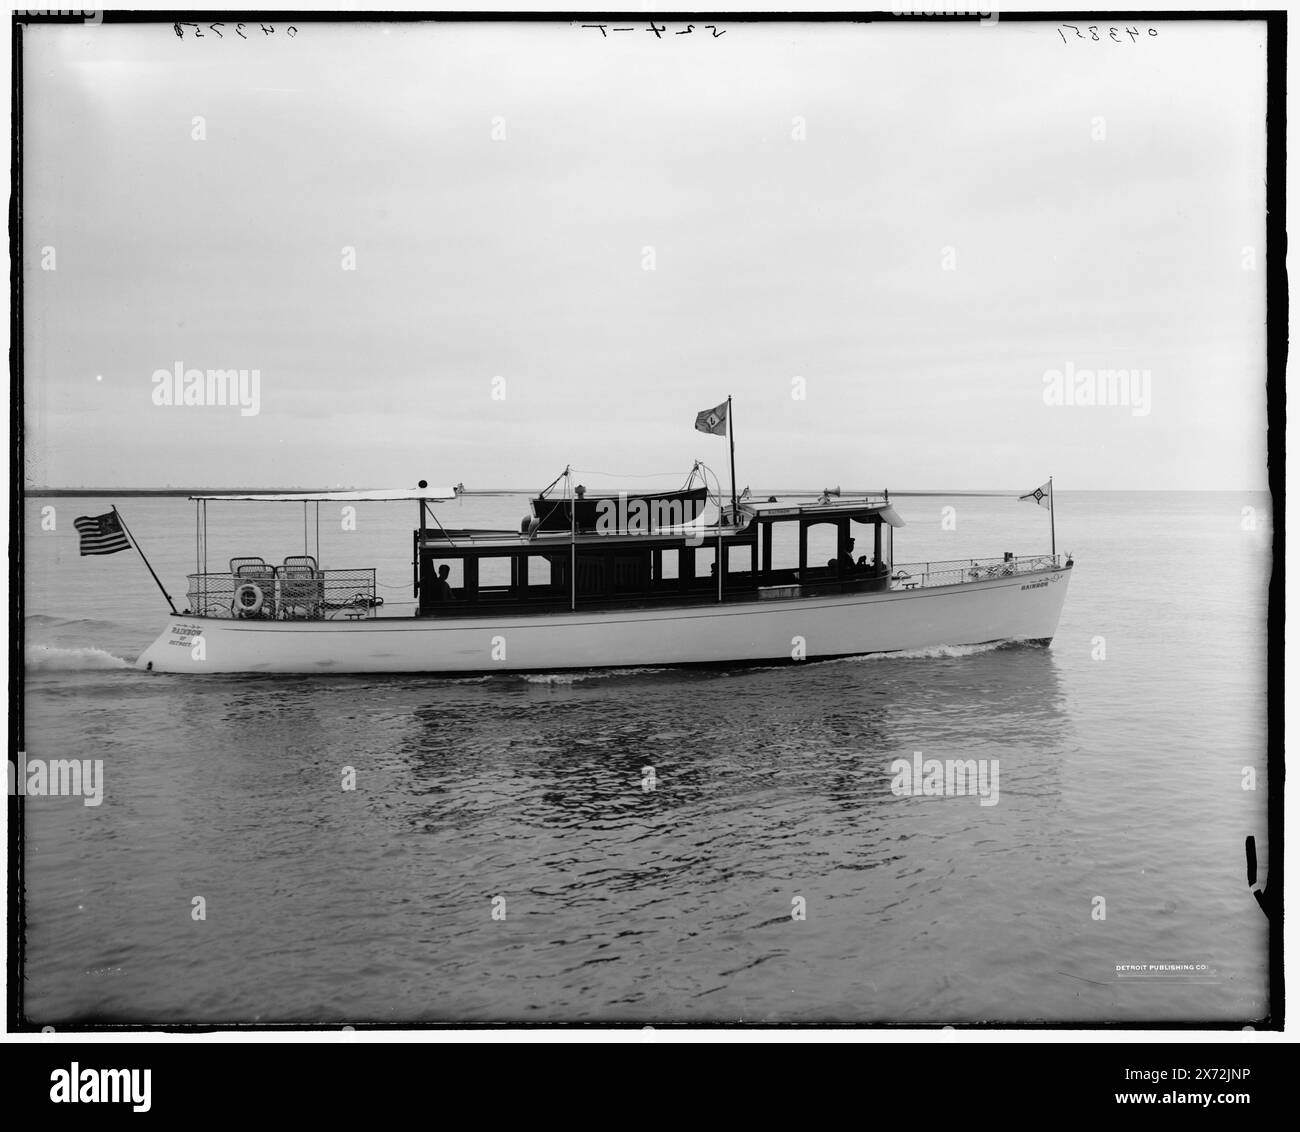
{"x": 1276, "y": 318}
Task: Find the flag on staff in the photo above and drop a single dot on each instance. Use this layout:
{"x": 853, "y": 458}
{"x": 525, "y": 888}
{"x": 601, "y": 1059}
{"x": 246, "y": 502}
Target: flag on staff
{"x": 101, "y": 534}
{"x": 713, "y": 420}
{"x": 1041, "y": 495}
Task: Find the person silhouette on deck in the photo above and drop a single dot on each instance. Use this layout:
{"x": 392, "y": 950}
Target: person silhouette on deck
{"x": 442, "y": 588}
{"x": 847, "y": 565}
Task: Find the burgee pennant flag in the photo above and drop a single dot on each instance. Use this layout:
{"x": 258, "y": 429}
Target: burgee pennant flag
{"x": 1041, "y": 495}
{"x": 101, "y": 534}
{"x": 713, "y": 420}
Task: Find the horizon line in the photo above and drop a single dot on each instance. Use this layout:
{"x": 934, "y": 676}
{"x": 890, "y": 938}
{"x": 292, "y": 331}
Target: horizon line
{"x": 96, "y": 492}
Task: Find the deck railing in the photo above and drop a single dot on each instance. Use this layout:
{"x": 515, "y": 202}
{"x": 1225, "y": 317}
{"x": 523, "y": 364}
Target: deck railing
{"x": 289, "y": 595}
{"x": 910, "y": 575}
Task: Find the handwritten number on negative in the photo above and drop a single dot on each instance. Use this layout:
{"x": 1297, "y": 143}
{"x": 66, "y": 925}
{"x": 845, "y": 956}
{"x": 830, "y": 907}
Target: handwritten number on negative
{"x": 267, "y": 29}
{"x": 1112, "y": 33}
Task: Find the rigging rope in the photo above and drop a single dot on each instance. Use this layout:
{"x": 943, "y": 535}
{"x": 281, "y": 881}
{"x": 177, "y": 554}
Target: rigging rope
{"x": 629, "y": 476}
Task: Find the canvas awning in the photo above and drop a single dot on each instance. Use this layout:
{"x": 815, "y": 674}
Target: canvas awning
{"x": 859, "y": 510}
{"x": 390, "y": 495}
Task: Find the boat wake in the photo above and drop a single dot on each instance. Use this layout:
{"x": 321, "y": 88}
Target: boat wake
{"x": 579, "y": 677}
{"x": 935, "y": 652}
{"x": 44, "y": 622}
{"x": 49, "y": 658}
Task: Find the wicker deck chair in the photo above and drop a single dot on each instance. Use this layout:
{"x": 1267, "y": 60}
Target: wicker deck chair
{"x": 302, "y": 587}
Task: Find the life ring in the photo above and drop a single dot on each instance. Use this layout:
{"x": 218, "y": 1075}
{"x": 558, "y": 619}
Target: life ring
{"x": 249, "y": 608}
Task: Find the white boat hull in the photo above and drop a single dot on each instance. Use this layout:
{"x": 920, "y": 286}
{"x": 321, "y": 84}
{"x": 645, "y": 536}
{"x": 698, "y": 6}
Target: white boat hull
{"x": 1024, "y": 607}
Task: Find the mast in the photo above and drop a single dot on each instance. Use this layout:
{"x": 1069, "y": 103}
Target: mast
{"x": 573, "y": 540}
{"x": 1051, "y": 511}
{"x": 731, "y": 436}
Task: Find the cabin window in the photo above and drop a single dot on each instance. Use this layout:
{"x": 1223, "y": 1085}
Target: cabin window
{"x": 666, "y": 567}
{"x": 631, "y": 572}
{"x": 551, "y": 571}
{"x": 495, "y": 576}
{"x": 785, "y": 545}
{"x": 742, "y": 562}
{"x": 706, "y": 559}
{"x": 433, "y": 593}
{"x": 823, "y": 546}
{"x": 591, "y": 575}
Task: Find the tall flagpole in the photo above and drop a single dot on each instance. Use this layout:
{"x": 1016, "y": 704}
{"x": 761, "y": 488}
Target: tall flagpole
{"x": 146, "y": 561}
{"x": 731, "y": 436}
{"x": 1051, "y": 511}
{"x": 573, "y": 538}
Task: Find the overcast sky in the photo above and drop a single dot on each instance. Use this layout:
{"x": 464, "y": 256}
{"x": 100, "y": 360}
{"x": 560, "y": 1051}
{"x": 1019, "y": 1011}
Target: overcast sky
{"x": 918, "y": 221}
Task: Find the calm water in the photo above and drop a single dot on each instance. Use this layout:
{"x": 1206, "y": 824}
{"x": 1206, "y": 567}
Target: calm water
{"x": 1120, "y": 778}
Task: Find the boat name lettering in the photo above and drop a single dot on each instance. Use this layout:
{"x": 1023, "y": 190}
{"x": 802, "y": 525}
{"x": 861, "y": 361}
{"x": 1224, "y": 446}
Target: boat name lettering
{"x": 1035, "y": 585}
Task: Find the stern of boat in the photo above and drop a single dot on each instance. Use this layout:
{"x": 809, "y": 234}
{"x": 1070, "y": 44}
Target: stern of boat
{"x": 182, "y": 646}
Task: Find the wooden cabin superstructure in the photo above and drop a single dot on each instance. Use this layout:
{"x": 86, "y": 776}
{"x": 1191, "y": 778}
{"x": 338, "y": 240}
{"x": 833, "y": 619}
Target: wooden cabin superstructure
{"x": 545, "y": 571}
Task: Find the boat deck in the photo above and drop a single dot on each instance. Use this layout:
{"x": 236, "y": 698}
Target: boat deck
{"x": 349, "y": 594}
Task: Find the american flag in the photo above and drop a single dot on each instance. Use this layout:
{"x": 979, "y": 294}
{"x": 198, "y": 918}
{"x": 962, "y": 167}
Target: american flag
{"x": 101, "y": 534}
